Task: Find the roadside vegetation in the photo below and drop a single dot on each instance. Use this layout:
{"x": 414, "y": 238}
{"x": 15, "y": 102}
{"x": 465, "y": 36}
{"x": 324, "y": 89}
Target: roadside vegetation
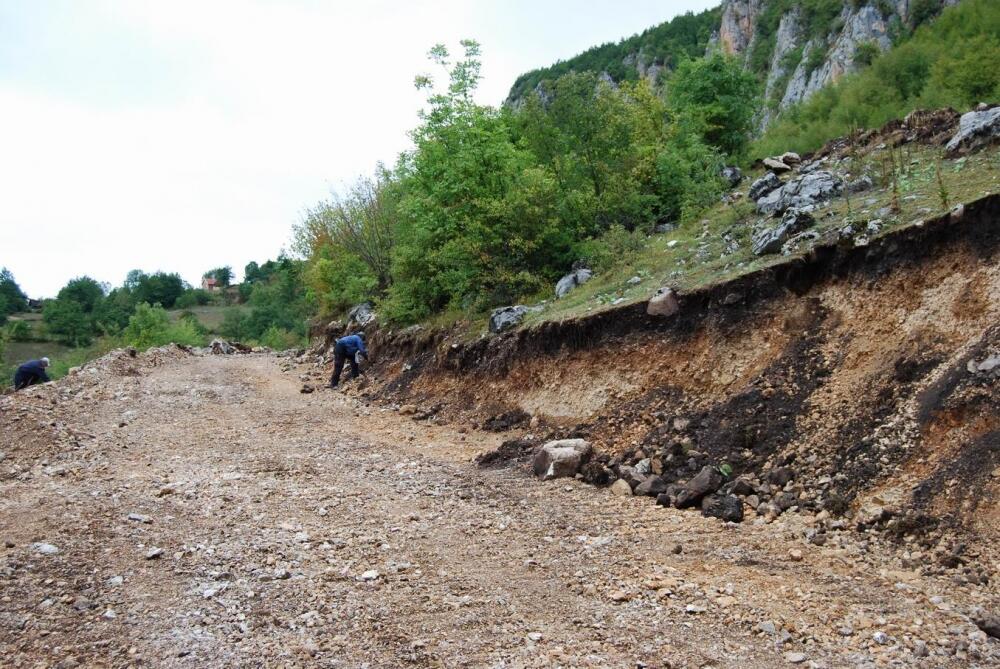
{"x": 493, "y": 205}
{"x": 87, "y": 319}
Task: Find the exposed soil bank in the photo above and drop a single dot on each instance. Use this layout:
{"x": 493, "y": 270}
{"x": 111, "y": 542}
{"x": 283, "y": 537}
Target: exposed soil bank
{"x": 848, "y": 366}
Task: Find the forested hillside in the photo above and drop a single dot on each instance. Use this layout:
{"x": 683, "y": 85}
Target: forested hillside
{"x": 493, "y": 205}
{"x": 794, "y": 47}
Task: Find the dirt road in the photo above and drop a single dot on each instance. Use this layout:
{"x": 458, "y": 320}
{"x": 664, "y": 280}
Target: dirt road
{"x": 272, "y": 528}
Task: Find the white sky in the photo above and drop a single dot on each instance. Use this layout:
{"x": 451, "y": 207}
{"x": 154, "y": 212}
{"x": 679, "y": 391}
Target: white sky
{"x": 183, "y": 135}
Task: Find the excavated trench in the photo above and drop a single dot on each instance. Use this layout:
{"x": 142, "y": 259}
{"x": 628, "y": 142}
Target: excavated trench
{"x": 844, "y": 372}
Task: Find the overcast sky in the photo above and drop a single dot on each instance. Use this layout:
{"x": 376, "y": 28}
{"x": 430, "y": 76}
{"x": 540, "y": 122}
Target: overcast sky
{"x": 184, "y": 135}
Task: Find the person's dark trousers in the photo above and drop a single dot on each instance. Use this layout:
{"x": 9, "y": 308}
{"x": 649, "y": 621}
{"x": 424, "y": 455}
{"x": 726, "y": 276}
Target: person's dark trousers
{"x": 339, "y": 356}
{"x": 24, "y": 380}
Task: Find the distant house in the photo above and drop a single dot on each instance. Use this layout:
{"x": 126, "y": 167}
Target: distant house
{"x": 209, "y": 283}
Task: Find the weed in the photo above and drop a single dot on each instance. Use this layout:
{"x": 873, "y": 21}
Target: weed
{"x": 942, "y": 189}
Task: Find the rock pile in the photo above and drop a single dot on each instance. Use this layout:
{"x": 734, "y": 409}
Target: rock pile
{"x": 804, "y": 191}
{"x": 771, "y": 239}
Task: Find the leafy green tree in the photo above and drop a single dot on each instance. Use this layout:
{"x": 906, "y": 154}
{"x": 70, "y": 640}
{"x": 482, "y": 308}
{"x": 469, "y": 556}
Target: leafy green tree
{"x": 112, "y": 313}
{"x": 719, "y": 98}
{"x": 12, "y": 298}
{"x": 458, "y": 244}
{"x": 222, "y": 275}
{"x": 86, "y": 292}
{"x": 362, "y": 223}
{"x": 67, "y": 322}
{"x": 158, "y": 288}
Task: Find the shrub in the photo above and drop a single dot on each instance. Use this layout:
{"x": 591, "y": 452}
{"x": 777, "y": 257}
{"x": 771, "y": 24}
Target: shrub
{"x": 280, "y": 339}
{"x": 193, "y": 297}
{"x": 151, "y": 326}
{"x": 18, "y": 331}
{"x": 234, "y": 324}
{"x": 616, "y": 246}
{"x": 866, "y": 53}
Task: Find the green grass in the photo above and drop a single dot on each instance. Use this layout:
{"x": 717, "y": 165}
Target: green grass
{"x": 700, "y": 258}
{"x": 21, "y": 351}
{"x": 209, "y": 315}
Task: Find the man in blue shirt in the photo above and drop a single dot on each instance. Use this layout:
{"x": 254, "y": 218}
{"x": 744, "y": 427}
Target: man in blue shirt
{"x": 30, "y": 373}
{"x": 348, "y": 348}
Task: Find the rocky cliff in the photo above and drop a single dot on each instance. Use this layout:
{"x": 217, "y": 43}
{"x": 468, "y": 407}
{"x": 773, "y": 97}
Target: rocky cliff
{"x": 796, "y": 46}
{"x": 808, "y": 50}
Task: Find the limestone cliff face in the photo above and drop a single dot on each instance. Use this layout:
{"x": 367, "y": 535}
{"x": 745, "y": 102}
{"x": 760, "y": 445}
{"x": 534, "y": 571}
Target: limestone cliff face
{"x": 802, "y": 63}
{"x": 739, "y": 23}
{"x": 795, "y": 55}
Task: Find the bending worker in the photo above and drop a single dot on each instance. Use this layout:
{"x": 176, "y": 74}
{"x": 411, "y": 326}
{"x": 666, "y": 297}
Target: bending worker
{"x": 30, "y": 373}
{"x": 348, "y": 348}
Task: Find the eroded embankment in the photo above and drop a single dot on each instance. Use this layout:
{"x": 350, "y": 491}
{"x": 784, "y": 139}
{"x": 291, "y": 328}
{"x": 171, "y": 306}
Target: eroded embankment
{"x": 846, "y": 371}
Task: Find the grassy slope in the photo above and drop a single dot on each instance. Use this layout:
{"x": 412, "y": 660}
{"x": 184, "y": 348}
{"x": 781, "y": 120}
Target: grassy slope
{"x": 699, "y": 257}
{"x": 209, "y": 315}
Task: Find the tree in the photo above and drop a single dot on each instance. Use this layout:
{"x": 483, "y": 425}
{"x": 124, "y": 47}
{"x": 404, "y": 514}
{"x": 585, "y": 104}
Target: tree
{"x": 720, "y": 97}
{"x": 159, "y": 288}
{"x": 13, "y": 298}
{"x": 222, "y": 275}
{"x": 66, "y": 320}
{"x": 83, "y": 290}
{"x": 458, "y": 243}
{"x": 362, "y": 222}
{"x": 251, "y": 272}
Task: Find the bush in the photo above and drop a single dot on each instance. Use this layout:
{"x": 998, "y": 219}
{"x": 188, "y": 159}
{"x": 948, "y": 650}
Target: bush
{"x": 193, "y": 297}
{"x": 150, "y": 326}
{"x": 280, "y": 339}
{"x": 18, "y": 331}
{"x": 617, "y": 246}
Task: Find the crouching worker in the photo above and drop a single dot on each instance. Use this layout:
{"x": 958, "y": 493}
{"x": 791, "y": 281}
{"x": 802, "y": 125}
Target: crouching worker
{"x": 30, "y": 373}
{"x": 348, "y": 348}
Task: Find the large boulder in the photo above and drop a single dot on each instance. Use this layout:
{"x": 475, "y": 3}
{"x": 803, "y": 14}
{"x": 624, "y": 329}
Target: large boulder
{"x": 505, "y": 318}
{"x": 561, "y": 458}
{"x": 976, "y": 129}
{"x": 807, "y": 190}
{"x": 761, "y": 187}
{"x": 361, "y": 314}
{"x": 770, "y": 240}
{"x": 726, "y": 507}
{"x": 572, "y": 280}
{"x": 704, "y": 482}
{"x": 664, "y": 303}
